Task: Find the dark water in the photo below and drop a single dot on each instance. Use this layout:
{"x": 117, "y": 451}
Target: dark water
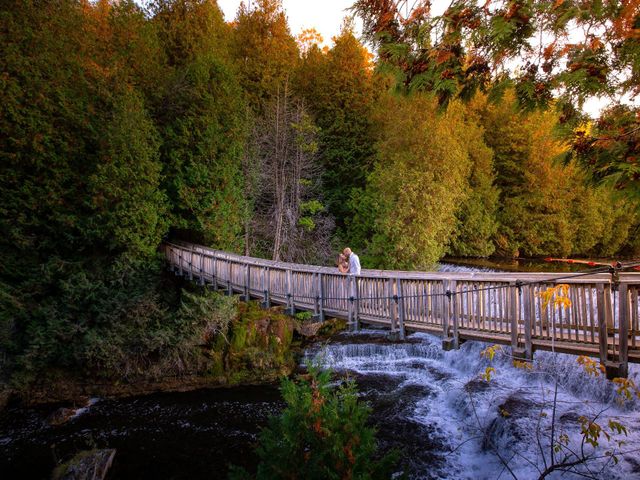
{"x": 172, "y": 435}
{"x": 195, "y": 434}
{"x": 520, "y": 264}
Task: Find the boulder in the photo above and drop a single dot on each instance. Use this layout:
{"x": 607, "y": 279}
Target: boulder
{"x": 87, "y": 465}
{"x": 309, "y": 329}
{"x": 60, "y": 416}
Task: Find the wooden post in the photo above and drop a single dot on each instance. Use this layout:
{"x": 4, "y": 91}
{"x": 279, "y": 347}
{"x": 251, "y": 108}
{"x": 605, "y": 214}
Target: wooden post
{"x": 603, "y": 335}
{"x": 514, "y": 313}
{"x": 191, "y": 264}
{"x": 315, "y": 294}
{"x": 401, "y": 312}
{"x": 529, "y": 314}
{"x": 450, "y": 339}
{"x": 201, "y": 268}
{"x": 214, "y": 271}
{"x": 266, "y": 282}
{"x": 453, "y": 301}
{"x": 229, "y": 286}
{"x": 350, "y": 303}
{"x": 321, "y": 295}
{"x": 623, "y": 329}
{"x": 356, "y": 303}
{"x": 318, "y": 311}
{"x": 290, "y": 309}
{"x": 168, "y": 253}
{"x": 179, "y": 271}
{"x": 393, "y": 303}
{"x": 447, "y": 341}
{"x": 247, "y": 283}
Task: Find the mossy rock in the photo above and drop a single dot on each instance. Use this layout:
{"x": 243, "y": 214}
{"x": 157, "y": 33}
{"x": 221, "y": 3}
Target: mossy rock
{"x": 332, "y": 326}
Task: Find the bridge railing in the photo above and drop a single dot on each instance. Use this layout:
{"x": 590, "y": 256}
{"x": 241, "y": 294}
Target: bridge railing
{"x": 500, "y": 307}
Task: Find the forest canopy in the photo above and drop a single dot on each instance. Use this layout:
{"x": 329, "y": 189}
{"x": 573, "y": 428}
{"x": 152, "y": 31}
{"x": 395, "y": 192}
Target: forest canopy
{"x": 125, "y": 125}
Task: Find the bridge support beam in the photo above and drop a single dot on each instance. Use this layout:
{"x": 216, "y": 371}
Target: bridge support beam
{"x": 392, "y": 299}
{"x": 247, "y": 283}
{"x": 318, "y": 308}
{"x": 201, "y": 281}
{"x": 190, "y": 272}
{"x": 449, "y": 344}
{"x": 229, "y": 286}
{"x": 401, "y": 310}
{"x": 354, "y": 303}
{"x": 614, "y": 353}
{"x": 521, "y": 353}
{"x": 290, "y": 309}
{"x": 266, "y": 280}
{"x": 451, "y": 339}
{"x": 616, "y": 370}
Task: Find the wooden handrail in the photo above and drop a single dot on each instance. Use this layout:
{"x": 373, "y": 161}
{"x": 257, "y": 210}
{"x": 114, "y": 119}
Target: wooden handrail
{"x": 498, "y": 307}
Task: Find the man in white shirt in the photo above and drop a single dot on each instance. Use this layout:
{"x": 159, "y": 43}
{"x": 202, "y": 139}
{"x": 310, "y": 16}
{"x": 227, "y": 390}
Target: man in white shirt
{"x": 354, "y": 261}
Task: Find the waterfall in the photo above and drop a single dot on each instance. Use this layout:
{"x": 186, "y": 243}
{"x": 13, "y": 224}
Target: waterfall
{"x": 472, "y": 419}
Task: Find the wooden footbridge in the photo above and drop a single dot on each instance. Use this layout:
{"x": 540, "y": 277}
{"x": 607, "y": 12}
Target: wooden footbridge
{"x": 505, "y": 308}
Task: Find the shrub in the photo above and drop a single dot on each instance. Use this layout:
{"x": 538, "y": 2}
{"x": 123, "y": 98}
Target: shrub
{"x": 321, "y": 434}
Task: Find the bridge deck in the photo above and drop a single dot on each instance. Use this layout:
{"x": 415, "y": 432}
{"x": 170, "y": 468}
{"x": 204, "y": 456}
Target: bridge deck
{"x": 603, "y": 319}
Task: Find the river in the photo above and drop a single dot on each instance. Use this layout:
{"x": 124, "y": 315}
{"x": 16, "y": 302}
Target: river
{"x": 429, "y": 404}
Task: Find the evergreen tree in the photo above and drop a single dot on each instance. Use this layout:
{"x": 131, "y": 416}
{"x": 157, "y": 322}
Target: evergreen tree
{"x": 82, "y": 211}
{"x": 202, "y": 125}
{"x": 477, "y": 215}
{"x": 339, "y": 89}
{"x": 264, "y": 50}
{"x": 323, "y": 433}
{"x": 407, "y": 213}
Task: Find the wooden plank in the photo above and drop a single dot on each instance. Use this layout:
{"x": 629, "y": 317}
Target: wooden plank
{"x": 514, "y": 313}
{"x": 200, "y": 269}
{"x": 610, "y": 319}
{"x": 634, "y": 317}
{"x": 603, "y": 335}
{"x": 453, "y": 301}
{"x": 247, "y": 282}
{"x": 289, "y": 287}
{"x": 401, "y": 313}
{"x": 623, "y": 322}
{"x": 429, "y": 287}
{"x": 545, "y": 317}
{"x": 316, "y": 295}
{"x": 356, "y": 306}
{"x": 266, "y": 281}
{"x": 446, "y": 326}
{"x": 321, "y": 294}
{"x": 593, "y": 315}
{"x": 393, "y": 303}
{"x": 480, "y": 303}
{"x": 526, "y": 293}
{"x": 583, "y": 313}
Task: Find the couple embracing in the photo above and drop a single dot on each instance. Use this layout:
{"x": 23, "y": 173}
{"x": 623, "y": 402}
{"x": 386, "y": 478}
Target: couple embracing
{"x": 349, "y": 262}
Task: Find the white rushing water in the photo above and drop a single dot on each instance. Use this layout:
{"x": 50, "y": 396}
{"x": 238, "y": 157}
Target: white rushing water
{"x": 477, "y": 421}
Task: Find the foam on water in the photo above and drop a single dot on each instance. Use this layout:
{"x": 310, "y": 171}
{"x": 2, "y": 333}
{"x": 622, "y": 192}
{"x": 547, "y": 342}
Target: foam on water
{"x": 453, "y": 268}
{"x": 476, "y": 419}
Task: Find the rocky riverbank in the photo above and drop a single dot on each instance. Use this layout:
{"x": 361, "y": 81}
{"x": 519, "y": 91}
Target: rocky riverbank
{"x": 259, "y": 347}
